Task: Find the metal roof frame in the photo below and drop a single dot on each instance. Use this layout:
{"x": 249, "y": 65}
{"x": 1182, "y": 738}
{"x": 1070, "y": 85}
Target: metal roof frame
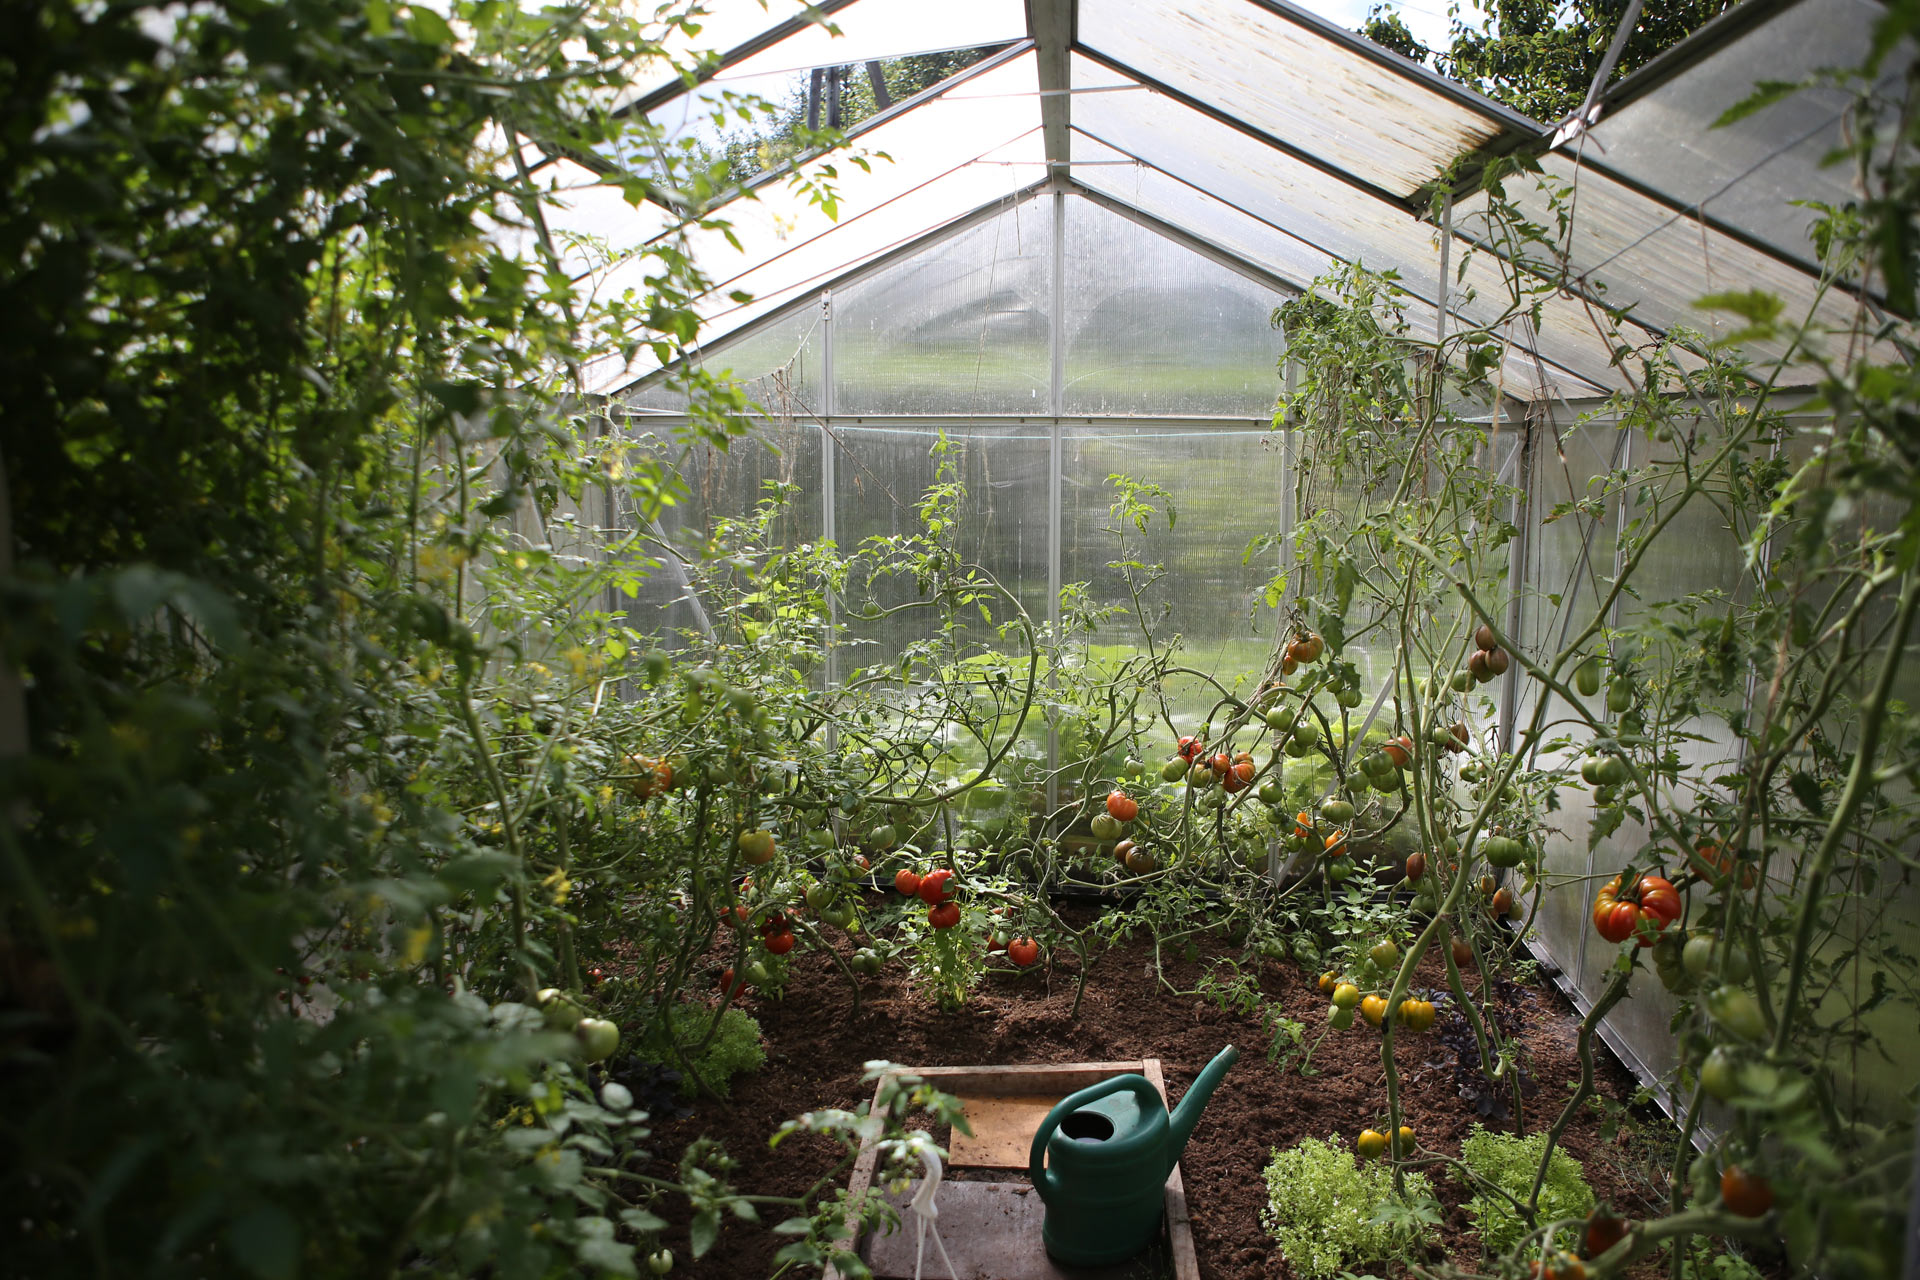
{"x": 1054, "y": 38}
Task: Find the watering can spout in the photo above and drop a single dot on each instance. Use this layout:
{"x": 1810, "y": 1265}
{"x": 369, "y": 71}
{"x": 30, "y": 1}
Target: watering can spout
{"x": 1187, "y": 1114}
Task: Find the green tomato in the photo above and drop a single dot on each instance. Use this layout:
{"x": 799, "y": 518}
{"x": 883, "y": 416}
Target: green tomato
{"x": 1697, "y": 956}
{"x": 1107, "y": 827}
{"x": 660, "y": 1261}
{"x": 820, "y": 896}
{"x": 1340, "y": 870}
{"x": 839, "y": 915}
{"x": 1737, "y": 1011}
{"x": 1337, "y": 811}
{"x": 1271, "y": 792}
{"x": 1338, "y": 1018}
{"x": 1133, "y": 768}
{"x": 1279, "y": 718}
{"x": 561, "y": 1012}
{"x": 1720, "y": 1073}
{"x": 884, "y": 836}
{"x": 1620, "y": 696}
{"x": 1173, "y": 770}
{"x": 599, "y": 1039}
{"x": 1384, "y": 953}
{"x": 1586, "y": 677}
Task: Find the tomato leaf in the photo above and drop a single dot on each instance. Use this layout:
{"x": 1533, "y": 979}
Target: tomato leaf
{"x": 703, "y": 1231}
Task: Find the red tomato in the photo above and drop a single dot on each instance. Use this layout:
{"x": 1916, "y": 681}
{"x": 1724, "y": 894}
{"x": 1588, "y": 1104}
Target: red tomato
{"x": 1745, "y": 1194}
{"x": 733, "y": 917}
{"x": 1122, "y": 806}
{"x": 779, "y": 943}
{"x": 1603, "y": 1232}
{"x": 1616, "y": 921}
{"x": 730, "y": 986}
{"x": 1221, "y": 762}
{"x": 1659, "y": 898}
{"x": 1190, "y": 748}
{"x": 944, "y": 916}
{"x": 1400, "y": 751}
{"x": 1023, "y": 951}
{"x": 907, "y": 881}
{"x": 933, "y": 887}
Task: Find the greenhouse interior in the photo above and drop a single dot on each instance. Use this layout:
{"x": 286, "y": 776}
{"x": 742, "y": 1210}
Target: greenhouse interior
{"x": 1010, "y": 641}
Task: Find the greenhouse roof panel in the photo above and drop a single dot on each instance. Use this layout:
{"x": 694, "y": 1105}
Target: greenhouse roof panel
{"x": 1631, "y": 250}
{"x": 1313, "y": 210}
{"x": 1338, "y": 99}
{"x": 868, "y": 30}
{"x": 1749, "y": 173}
{"x": 949, "y": 156}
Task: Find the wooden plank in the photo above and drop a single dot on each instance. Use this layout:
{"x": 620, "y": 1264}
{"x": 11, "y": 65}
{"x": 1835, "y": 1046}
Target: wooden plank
{"x": 1003, "y": 1126}
{"x": 1186, "y": 1262}
{"x": 1058, "y": 1080}
{"x": 992, "y": 1232}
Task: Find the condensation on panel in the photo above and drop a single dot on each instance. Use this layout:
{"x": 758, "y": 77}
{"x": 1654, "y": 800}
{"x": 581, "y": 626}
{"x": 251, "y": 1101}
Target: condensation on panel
{"x": 881, "y": 473}
{"x": 776, "y": 462}
{"x": 1325, "y": 216}
{"x": 960, "y": 328}
{"x": 1224, "y": 483}
{"x": 778, "y": 366}
{"x": 1289, "y": 80}
{"x": 1154, "y": 328}
{"x": 1569, "y": 569}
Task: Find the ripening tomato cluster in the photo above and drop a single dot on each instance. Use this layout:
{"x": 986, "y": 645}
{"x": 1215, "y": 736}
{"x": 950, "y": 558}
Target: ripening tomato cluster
{"x": 935, "y": 889}
{"x": 1414, "y": 1013}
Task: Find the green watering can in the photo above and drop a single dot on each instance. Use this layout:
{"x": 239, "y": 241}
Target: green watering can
{"x": 1101, "y": 1158}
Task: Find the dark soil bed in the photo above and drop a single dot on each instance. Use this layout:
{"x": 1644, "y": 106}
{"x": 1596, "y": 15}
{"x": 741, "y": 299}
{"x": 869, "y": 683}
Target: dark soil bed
{"x": 816, "y": 1045}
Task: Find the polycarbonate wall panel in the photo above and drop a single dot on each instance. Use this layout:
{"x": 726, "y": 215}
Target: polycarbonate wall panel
{"x": 1750, "y": 173}
{"x": 779, "y": 365}
{"x": 726, "y": 485}
{"x": 1569, "y": 570}
{"x": 881, "y": 472}
{"x": 1152, "y": 328}
{"x": 1292, "y": 82}
{"x": 961, "y": 328}
{"x": 1226, "y": 483}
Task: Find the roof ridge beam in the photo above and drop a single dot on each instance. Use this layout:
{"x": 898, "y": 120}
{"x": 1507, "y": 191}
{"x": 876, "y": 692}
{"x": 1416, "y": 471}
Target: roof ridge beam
{"x": 1050, "y": 23}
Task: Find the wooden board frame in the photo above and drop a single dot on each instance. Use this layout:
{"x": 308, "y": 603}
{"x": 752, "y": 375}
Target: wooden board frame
{"x": 1058, "y": 1080}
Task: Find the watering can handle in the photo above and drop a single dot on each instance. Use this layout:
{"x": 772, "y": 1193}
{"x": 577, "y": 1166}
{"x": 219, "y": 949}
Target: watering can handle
{"x": 1043, "y": 1179}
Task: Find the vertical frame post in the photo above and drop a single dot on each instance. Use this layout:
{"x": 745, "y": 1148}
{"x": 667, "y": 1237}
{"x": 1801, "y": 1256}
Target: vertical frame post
{"x": 1056, "y": 399}
{"x": 829, "y": 485}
